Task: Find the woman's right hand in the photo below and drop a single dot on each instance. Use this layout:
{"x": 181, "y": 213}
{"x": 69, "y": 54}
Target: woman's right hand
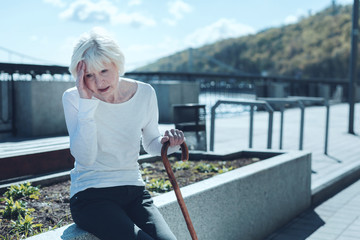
{"x": 84, "y": 91}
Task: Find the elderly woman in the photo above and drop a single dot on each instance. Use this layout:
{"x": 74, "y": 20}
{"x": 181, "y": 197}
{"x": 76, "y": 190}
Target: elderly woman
{"x": 106, "y": 117}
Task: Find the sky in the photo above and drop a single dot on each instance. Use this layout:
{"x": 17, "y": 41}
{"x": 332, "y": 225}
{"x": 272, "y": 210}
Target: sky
{"x": 45, "y": 31}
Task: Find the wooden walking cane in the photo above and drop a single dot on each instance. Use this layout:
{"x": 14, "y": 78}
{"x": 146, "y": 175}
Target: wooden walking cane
{"x": 184, "y": 157}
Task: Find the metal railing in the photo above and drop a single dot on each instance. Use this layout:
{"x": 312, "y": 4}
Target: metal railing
{"x": 271, "y": 105}
{"x": 281, "y": 103}
{"x": 325, "y": 103}
{"x": 252, "y": 104}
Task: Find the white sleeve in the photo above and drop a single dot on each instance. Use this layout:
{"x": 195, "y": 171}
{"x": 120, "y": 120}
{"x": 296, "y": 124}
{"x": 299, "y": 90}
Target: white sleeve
{"x": 81, "y": 127}
{"x": 151, "y": 137}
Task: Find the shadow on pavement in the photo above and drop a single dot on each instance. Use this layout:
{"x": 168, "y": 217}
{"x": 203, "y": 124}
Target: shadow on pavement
{"x": 300, "y": 227}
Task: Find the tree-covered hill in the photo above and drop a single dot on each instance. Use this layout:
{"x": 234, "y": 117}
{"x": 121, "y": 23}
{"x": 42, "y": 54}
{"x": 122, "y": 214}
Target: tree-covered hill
{"x": 316, "y": 46}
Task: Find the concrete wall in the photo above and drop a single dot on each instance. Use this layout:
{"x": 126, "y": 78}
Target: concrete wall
{"x": 38, "y": 107}
{"x": 277, "y": 90}
{"x": 248, "y": 203}
{"x": 271, "y": 89}
{"x": 174, "y": 92}
{"x": 5, "y": 109}
{"x": 324, "y": 91}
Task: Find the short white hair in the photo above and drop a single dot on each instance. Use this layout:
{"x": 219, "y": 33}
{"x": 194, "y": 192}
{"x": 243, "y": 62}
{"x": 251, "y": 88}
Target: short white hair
{"x": 97, "y": 48}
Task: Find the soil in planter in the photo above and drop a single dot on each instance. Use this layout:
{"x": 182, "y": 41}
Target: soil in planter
{"x": 52, "y": 208}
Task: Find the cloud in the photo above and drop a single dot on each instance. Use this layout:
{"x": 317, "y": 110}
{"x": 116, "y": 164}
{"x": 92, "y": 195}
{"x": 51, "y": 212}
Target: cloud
{"x": 149, "y": 52}
{"x": 177, "y": 10}
{"x": 103, "y": 11}
{"x": 294, "y": 18}
{"x": 166, "y": 46}
{"x": 87, "y": 11}
{"x": 134, "y": 19}
{"x": 221, "y": 29}
{"x": 291, "y": 19}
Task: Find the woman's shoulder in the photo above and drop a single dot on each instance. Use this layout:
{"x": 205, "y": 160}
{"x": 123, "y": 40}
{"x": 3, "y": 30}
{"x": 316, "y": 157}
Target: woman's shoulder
{"x": 141, "y": 86}
{"x": 71, "y": 93}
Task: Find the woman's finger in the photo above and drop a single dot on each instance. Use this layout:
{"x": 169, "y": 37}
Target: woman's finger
{"x": 80, "y": 76}
{"x": 174, "y": 136}
{"x": 164, "y": 139}
{"x": 182, "y": 136}
{"x": 178, "y": 137}
{"x": 84, "y": 91}
{"x": 178, "y": 140}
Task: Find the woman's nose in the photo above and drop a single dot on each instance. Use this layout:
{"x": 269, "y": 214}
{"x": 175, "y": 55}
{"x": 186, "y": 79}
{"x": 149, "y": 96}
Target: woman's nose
{"x": 99, "y": 81}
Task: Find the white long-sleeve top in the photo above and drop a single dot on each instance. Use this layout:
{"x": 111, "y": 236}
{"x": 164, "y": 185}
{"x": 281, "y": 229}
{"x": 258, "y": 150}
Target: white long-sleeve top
{"x": 105, "y": 138}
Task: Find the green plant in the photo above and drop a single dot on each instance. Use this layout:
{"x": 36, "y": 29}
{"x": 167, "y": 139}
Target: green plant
{"x": 7, "y": 237}
{"x": 24, "y": 226}
{"x": 14, "y": 209}
{"x": 206, "y": 168}
{"x": 225, "y": 169}
{"x": 159, "y": 185}
{"x": 181, "y": 165}
{"x": 146, "y": 171}
{"x": 22, "y": 190}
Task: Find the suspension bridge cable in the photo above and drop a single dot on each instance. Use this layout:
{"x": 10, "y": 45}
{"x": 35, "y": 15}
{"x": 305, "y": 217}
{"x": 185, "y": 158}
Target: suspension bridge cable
{"x": 26, "y": 56}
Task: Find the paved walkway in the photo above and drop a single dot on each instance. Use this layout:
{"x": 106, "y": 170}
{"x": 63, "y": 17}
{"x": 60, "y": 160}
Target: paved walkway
{"x": 336, "y": 218}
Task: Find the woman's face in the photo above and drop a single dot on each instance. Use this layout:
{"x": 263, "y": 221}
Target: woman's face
{"x": 103, "y": 83}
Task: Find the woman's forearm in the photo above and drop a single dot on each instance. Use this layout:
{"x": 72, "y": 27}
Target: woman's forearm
{"x": 82, "y": 129}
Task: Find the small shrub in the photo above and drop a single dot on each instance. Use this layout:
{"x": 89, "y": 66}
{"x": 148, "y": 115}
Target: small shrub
{"x": 24, "y": 226}
{"x": 14, "y": 209}
{"x": 225, "y": 169}
{"x": 206, "y": 168}
{"x": 7, "y": 237}
{"x": 159, "y": 185}
{"x": 181, "y": 165}
{"x": 146, "y": 171}
{"x": 22, "y": 190}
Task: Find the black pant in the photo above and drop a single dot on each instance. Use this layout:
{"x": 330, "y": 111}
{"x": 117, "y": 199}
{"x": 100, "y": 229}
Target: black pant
{"x": 124, "y": 212}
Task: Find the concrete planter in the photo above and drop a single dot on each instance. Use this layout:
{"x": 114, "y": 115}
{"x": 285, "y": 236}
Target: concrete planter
{"x": 247, "y": 203}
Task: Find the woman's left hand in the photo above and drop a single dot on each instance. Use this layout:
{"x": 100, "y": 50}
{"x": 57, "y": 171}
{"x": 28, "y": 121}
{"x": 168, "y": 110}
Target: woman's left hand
{"x": 176, "y": 137}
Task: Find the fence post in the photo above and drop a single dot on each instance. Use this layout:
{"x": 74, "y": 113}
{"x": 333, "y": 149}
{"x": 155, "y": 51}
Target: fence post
{"x": 302, "y": 117}
{"x": 212, "y": 127}
{"x": 251, "y": 125}
{"x": 281, "y": 125}
{"x": 270, "y": 125}
{"x": 327, "y": 126}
